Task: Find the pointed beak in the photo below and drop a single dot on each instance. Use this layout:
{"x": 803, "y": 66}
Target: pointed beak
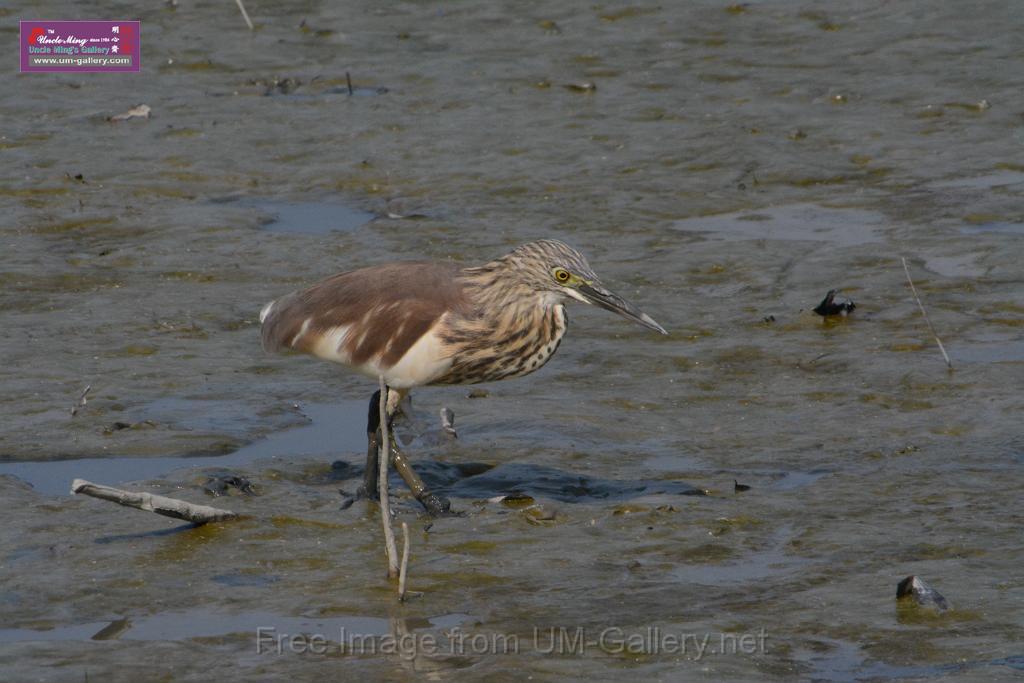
{"x": 599, "y": 296}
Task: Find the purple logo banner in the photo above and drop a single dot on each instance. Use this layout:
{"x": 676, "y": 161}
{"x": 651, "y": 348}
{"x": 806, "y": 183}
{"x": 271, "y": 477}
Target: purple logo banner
{"x": 78, "y": 46}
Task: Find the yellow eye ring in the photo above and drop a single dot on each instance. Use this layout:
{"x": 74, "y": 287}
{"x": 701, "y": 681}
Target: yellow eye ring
{"x": 562, "y": 275}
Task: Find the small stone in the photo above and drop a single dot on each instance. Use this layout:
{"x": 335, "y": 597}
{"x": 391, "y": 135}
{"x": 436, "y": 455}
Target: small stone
{"x": 141, "y": 111}
{"x": 478, "y": 393}
{"x": 581, "y": 87}
{"x": 538, "y": 513}
{"x": 448, "y": 422}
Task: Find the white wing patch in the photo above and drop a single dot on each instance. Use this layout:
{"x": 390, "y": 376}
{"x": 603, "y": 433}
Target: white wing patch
{"x": 421, "y": 364}
{"x": 302, "y": 331}
{"x": 265, "y": 311}
{"x": 330, "y": 345}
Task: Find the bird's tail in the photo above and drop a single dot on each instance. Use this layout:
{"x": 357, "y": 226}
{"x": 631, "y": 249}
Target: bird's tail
{"x": 275, "y": 325}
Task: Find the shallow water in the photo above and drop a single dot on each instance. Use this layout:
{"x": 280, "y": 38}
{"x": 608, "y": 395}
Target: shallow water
{"x": 313, "y": 218}
{"x": 725, "y": 167}
{"x": 206, "y": 623}
{"x": 795, "y": 222}
{"x": 332, "y": 428}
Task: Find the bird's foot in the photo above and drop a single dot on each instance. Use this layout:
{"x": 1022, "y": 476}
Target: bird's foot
{"x": 366, "y": 493}
{"x": 437, "y": 506}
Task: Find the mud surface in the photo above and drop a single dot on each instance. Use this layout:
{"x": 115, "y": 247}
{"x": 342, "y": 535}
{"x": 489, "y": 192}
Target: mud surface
{"x": 721, "y": 165}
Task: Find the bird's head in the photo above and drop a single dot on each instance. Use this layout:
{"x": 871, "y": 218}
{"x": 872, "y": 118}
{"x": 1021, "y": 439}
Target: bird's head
{"x": 554, "y": 267}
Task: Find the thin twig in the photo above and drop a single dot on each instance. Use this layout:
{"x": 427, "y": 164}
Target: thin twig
{"x": 161, "y": 505}
{"x": 382, "y": 483}
{"x": 245, "y": 15}
{"x": 348, "y": 80}
{"x": 913, "y": 289}
{"x": 405, "y": 562}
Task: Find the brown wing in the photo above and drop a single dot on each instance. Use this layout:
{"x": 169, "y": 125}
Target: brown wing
{"x": 389, "y": 307}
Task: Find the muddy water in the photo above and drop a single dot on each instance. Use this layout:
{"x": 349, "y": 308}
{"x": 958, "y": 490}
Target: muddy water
{"x": 729, "y": 165}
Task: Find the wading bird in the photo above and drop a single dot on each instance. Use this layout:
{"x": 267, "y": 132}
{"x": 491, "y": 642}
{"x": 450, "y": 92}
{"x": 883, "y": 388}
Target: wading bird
{"x": 427, "y": 323}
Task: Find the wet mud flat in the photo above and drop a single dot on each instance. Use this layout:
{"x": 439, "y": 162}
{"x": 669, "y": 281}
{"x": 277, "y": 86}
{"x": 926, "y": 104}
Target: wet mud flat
{"x": 723, "y": 165}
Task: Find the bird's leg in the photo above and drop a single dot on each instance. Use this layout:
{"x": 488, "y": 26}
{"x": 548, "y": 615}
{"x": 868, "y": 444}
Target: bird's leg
{"x": 435, "y": 504}
{"x": 369, "y": 488}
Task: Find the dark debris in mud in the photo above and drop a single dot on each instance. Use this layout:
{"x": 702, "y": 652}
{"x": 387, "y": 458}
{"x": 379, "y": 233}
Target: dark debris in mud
{"x": 225, "y": 484}
{"x": 833, "y": 305}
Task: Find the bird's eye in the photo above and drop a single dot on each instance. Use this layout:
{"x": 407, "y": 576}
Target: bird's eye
{"x": 562, "y": 275}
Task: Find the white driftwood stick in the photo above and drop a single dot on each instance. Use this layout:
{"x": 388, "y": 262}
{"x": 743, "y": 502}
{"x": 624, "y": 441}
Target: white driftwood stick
{"x": 245, "y": 15}
{"x": 382, "y": 483}
{"x": 928, "y": 322}
{"x": 161, "y": 505}
{"x": 405, "y": 562}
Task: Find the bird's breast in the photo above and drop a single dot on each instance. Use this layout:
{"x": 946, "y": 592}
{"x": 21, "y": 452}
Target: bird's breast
{"x": 539, "y": 350}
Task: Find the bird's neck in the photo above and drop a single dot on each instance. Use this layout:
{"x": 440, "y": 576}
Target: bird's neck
{"x": 502, "y": 300}
{"x": 496, "y": 285}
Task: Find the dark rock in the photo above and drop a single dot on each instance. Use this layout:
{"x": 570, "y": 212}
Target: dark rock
{"x": 914, "y": 589}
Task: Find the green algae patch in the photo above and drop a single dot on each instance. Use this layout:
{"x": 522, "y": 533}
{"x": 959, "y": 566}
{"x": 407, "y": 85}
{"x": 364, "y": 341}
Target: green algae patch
{"x": 931, "y": 551}
{"x": 707, "y": 553}
{"x": 462, "y": 579}
{"x": 189, "y": 276}
{"x": 909, "y": 613}
{"x": 472, "y": 547}
{"x": 517, "y": 501}
{"x": 725, "y": 525}
{"x": 629, "y": 509}
{"x": 73, "y": 226}
{"x": 282, "y": 521}
{"x": 627, "y": 13}
{"x": 182, "y": 546}
{"x": 137, "y": 350}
